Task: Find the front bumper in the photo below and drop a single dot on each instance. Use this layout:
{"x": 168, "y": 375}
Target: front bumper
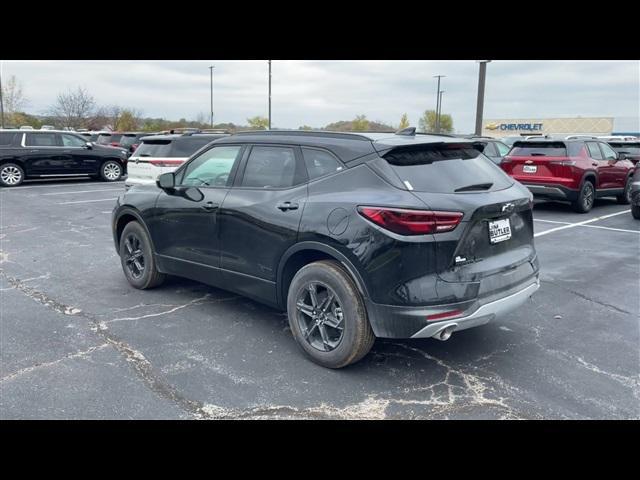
{"x": 390, "y": 321}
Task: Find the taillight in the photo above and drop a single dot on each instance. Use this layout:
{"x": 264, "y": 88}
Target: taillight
{"x": 115, "y": 144}
{"x": 412, "y": 222}
{"x": 166, "y": 163}
{"x": 564, "y": 163}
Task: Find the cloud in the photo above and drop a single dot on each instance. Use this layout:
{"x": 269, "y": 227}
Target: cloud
{"x": 319, "y": 92}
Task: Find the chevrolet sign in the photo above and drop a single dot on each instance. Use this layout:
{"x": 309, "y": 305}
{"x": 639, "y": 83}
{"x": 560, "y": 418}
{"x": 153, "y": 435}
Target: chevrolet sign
{"x": 530, "y": 127}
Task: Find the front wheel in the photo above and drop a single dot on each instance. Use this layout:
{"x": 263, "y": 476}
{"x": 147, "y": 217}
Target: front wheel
{"x": 635, "y": 211}
{"x": 111, "y": 171}
{"x": 327, "y": 315}
{"x": 136, "y": 258}
{"x": 625, "y": 198}
{"x": 586, "y": 197}
{"x": 11, "y": 175}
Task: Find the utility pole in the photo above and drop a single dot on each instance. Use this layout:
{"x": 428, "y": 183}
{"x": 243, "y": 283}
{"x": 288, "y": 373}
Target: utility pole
{"x": 211, "y": 74}
{"x": 269, "y": 94}
{"x": 440, "y": 112}
{"x": 438, "y": 102}
{"x": 480, "y": 107}
{"x": 1, "y": 100}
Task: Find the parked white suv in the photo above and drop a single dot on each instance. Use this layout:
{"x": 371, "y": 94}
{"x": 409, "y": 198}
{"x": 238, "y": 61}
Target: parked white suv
{"x": 158, "y": 154}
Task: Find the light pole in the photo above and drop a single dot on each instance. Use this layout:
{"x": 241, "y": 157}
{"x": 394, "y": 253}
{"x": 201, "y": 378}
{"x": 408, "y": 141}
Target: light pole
{"x": 211, "y": 75}
{"x": 440, "y": 112}
{"x": 480, "y": 106}
{"x": 438, "y": 102}
{"x": 269, "y": 94}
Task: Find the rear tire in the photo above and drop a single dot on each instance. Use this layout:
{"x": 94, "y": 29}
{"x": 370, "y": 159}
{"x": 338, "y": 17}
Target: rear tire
{"x": 586, "y": 198}
{"x": 137, "y": 259}
{"x": 625, "y": 198}
{"x": 333, "y": 330}
{"x": 111, "y": 171}
{"x": 11, "y": 175}
{"x": 635, "y": 211}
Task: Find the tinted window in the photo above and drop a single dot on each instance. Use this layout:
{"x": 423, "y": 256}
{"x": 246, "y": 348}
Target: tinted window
{"x": 271, "y": 167}
{"x": 609, "y": 153}
{"x": 187, "y": 146}
{"x": 42, "y": 140}
{"x": 630, "y": 148}
{"x": 542, "y": 149}
{"x": 6, "y": 138}
{"x": 211, "y": 168}
{"x": 128, "y": 140}
{"x": 444, "y": 169}
{"x": 502, "y": 149}
{"x": 154, "y": 148}
{"x": 72, "y": 141}
{"x": 319, "y": 163}
{"x": 107, "y": 138}
{"x": 594, "y": 151}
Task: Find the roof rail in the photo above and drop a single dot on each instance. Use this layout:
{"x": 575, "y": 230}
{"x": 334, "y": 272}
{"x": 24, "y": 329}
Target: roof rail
{"x": 307, "y": 133}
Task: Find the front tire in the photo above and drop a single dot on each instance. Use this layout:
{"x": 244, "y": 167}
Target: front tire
{"x": 635, "y": 211}
{"x": 625, "y": 198}
{"x": 137, "y": 259}
{"x": 111, "y": 171}
{"x": 586, "y": 198}
{"x": 327, "y": 315}
{"x": 11, "y": 175}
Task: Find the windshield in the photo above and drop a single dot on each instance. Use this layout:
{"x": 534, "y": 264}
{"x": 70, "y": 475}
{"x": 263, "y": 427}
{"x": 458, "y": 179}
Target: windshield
{"x": 446, "y": 169}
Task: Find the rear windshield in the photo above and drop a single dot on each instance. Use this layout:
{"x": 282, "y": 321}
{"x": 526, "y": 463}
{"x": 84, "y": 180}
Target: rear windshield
{"x": 154, "y": 148}
{"x": 106, "y": 139}
{"x": 187, "y": 146}
{"x": 630, "y": 148}
{"x": 446, "y": 169}
{"x": 128, "y": 140}
{"x": 541, "y": 149}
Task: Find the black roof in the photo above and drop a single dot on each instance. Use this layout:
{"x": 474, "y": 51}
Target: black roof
{"x": 172, "y": 136}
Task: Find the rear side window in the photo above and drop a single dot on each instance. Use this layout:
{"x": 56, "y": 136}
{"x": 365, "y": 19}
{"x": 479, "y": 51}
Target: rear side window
{"x": 42, "y": 140}
{"x": 541, "y": 149}
{"x": 272, "y": 167}
{"x": 319, "y": 163}
{"x": 154, "y": 148}
{"x": 106, "y": 139}
{"x": 490, "y": 150}
{"x": 6, "y": 138}
{"x": 594, "y": 151}
{"x": 446, "y": 169}
{"x": 185, "y": 147}
{"x": 502, "y": 149}
{"x": 128, "y": 140}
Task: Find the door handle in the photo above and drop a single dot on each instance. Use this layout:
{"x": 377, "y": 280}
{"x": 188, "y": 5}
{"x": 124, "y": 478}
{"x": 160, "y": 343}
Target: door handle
{"x": 210, "y": 206}
{"x": 595, "y": 164}
{"x": 284, "y": 206}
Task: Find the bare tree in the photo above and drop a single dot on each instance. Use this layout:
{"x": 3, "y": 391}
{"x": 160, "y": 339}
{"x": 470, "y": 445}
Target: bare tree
{"x": 74, "y": 109}
{"x": 13, "y": 96}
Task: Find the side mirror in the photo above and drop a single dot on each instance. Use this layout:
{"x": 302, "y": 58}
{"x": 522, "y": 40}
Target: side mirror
{"x": 166, "y": 181}
{"x": 88, "y": 145}
{"x": 622, "y": 156}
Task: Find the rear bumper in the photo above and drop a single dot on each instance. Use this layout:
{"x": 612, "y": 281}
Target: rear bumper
{"x": 552, "y": 191}
{"x": 390, "y": 321}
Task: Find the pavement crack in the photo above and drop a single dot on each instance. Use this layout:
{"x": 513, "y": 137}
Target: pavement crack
{"x": 38, "y": 296}
{"x": 581, "y": 295}
{"x": 37, "y": 366}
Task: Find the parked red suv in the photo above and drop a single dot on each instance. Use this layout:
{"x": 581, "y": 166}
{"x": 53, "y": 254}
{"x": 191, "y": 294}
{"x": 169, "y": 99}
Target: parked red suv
{"x": 577, "y": 171}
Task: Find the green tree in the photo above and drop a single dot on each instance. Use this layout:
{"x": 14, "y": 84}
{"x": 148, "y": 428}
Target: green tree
{"x": 305, "y": 127}
{"x": 360, "y": 123}
{"x": 404, "y": 121}
{"x": 126, "y": 122}
{"x": 258, "y": 122}
{"x": 428, "y": 122}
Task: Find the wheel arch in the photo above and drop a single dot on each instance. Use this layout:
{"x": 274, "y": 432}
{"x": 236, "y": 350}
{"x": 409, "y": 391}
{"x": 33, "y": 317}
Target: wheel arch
{"x": 590, "y": 175}
{"x": 125, "y": 216}
{"x": 302, "y": 254}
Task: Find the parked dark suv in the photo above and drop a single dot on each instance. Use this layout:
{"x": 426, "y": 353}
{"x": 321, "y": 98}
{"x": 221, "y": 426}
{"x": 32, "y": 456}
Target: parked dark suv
{"x": 49, "y": 153}
{"x": 355, "y": 235}
{"x": 577, "y": 170}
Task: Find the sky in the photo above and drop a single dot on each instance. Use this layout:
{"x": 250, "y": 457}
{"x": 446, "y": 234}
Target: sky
{"x": 316, "y": 93}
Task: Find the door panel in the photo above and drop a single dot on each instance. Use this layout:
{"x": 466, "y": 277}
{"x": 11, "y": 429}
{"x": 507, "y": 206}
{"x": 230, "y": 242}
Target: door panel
{"x": 83, "y": 159}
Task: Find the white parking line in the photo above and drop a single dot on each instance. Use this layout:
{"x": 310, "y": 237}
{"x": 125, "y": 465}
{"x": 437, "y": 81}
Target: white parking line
{"x": 578, "y": 224}
{"x": 86, "y": 191}
{"x": 47, "y": 185}
{"x": 589, "y": 226}
{"x": 90, "y": 201}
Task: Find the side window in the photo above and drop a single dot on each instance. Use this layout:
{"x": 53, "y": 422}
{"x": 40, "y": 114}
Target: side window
{"x": 272, "y": 167}
{"x": 6, "y": 138}
{"x": 319, "y": 163}
{"x": 42, "y": 140}
{"x": 502, "y": 149}
{"x": 212, "y": 168}
{"x": 72, "y": 140}
{"x": 594, "y": 151}
{"x": 609, "y": 153}
{"x": 490, "y": 150}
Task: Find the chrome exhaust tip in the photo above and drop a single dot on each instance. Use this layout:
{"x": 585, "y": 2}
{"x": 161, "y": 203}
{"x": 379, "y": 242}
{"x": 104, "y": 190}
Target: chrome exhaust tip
{"x": 445, "y": 332}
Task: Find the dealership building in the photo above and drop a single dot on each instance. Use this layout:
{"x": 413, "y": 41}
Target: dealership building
{"x": 559, "y": 127}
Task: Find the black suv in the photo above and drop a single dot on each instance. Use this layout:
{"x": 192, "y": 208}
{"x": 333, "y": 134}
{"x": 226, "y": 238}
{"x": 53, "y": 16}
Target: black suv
{"x": 49, "y": 153}
{"x": 357, "y": 236}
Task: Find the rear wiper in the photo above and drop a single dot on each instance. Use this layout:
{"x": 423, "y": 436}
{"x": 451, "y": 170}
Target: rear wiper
{"x": 476, "y": 186}
{"x": 145, "y": 155}
{"x": 538, "y": 154}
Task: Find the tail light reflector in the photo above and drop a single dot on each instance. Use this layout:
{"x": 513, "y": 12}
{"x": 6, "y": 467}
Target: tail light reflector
{"x": 412, "y": 222}
{"x": 443, "y": 315}
{"x": 166, "y": 163}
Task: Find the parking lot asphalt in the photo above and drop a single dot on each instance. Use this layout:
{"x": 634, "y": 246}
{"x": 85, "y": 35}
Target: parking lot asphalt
{"x": 76, "y": 341}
